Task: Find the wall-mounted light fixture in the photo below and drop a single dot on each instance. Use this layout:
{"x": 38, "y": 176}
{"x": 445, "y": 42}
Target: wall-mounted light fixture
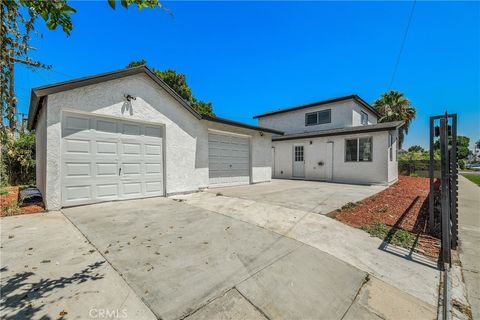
{"x": 129, "y": 97}
{"x": 311, "y": 142}
{"x": 261, "y": 134}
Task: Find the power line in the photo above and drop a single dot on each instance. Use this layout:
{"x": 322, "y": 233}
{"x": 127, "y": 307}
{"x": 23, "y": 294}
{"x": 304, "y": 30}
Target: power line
{"x": 403, "y": 44}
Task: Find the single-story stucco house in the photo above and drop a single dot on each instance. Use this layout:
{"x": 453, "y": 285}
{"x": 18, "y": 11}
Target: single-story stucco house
{"x": 336, "y": 140}
{"x": 127, "y": 135}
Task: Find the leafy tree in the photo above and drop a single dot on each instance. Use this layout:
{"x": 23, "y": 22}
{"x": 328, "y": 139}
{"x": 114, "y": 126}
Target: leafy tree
{"x": 178, "y": 82}
{"x": 463, "y": 143}
{"x": 416, "y": 148}
{"x": 17, "y": 23}
{"x": 394, "y": 106}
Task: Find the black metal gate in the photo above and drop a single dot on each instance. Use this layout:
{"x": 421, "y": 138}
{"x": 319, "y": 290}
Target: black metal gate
{"x": 444, "y": 129}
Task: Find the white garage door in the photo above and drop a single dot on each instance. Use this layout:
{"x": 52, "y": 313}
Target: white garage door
{"x": 228, "y": 159}
{"x": 105, "y": 159}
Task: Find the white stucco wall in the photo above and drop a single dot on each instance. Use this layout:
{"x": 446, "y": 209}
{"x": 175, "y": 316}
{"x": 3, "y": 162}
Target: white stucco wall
{"x": 343, "y": 114}
{"x": 372, "y": 172}
{"x": 357, "y": 115}
{"x": 41, "y": 151}
{"x": 186, "y": 137}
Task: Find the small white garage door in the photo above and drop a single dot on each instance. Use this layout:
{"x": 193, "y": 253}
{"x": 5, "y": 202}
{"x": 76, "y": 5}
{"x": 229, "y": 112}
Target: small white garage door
{"x": 228, "y": 159}
{"x": 105, "y": 159}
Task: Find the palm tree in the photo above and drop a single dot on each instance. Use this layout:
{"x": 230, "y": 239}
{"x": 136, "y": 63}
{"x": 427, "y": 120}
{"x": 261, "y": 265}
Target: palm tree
{"x": 394, "y": 106}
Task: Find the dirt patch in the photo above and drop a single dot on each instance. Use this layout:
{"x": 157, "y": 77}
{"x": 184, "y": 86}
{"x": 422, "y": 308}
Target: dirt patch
{"x": 10, "y": 206}
{"x": 400, "y": 212}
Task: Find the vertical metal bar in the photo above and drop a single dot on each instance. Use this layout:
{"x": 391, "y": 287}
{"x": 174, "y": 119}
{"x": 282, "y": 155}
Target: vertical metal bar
{"x": 445, "y": 213}
{"x": 431, "y": 222}
{"x": 445, "y": 193}
{"x": 453, "y": 183}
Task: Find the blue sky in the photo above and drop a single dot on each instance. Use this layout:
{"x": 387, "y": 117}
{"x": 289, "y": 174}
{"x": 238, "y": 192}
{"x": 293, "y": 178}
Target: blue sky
{"x": 251, "y": 57}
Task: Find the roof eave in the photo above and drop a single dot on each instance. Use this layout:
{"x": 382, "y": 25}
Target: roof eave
{"x": 340, "y": 133}
{"x": 319, "y": 103}
{"x": 240, "y": 124}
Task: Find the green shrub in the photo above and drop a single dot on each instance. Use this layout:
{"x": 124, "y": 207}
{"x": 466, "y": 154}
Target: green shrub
{"x": 399, "y": 237}
{"x": 18, "y": 159}
{"x": 414, "y": 175}
{"x": 348, "y": 205}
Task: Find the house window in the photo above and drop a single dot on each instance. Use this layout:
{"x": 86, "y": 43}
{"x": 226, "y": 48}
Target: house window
{"x": 391, "y": 141}
{"x": 359, "y": 149}
{"x": 351, "y": 151}
{"x": 364, "y": 118}
{"x": 311, "y": 119}
{"x": 319, "y": 117}
{"x": 365, "y": 149}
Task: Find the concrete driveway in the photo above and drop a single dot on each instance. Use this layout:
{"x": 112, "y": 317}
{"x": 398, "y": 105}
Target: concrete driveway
{"x": 311, "y": 196}
{"x": 181, "y": 259}
{"x": 206, "y": 256}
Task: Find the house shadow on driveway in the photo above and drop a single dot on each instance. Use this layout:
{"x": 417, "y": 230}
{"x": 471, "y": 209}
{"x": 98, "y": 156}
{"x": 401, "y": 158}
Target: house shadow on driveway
{"x": 23, "y": 297}
{"x": 419, "y": 229}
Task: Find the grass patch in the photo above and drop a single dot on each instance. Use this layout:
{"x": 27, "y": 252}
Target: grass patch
{"x": 475, "y": 178}
{"x": 401, "y": 238}
{"x": 11, "y": 209}
{"x": 349, "y": 205}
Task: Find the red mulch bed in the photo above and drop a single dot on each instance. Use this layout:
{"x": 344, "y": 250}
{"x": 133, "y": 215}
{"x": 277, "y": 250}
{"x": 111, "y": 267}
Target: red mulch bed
{"x": 403, "y": 205}
{"x": 9, "y": 204}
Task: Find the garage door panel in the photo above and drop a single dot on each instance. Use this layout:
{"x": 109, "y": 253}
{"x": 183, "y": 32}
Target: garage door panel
{"x": 107, "y": 190}
{"x": 154, "y": 186}
{"x": 77, "y": 123}
{"x": 107, "y": 169}
{"x": 106, "y": 147}
{"x": 130, "y": 169}
{"x": 153, "y": 150}
{"x": 106, "y": 126}
{"x": 229, "y": 159}
{"x": 155, "y": 132}
{"x": 132, "y": 188}
{"x": 78, "y": 169}
{"x": 132, "y": 148}
{"x": 105, "y": 159}
{"x": 131, "y": 129}
{"x": 78, "y": 193}
{"x": 77, "y": 146}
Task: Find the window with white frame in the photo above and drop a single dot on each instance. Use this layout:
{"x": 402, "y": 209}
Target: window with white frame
{"x": 358, "y": 149}
{"x": 298, "y": 153}
{"x": 364, "y": 118}
{"x": 318, "y": 117}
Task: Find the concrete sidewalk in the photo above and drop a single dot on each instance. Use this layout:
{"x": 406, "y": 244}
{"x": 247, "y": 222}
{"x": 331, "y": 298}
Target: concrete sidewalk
{"x": 469, "y": 235}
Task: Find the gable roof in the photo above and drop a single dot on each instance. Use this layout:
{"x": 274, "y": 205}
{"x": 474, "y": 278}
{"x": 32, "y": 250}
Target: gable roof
{"x": 39, "y": 93}
{"x": 384, "y": 126}
{"x": 355, "y": 97}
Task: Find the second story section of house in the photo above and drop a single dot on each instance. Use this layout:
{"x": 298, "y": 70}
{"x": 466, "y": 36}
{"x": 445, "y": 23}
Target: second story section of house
{"x": 341, "y": 112}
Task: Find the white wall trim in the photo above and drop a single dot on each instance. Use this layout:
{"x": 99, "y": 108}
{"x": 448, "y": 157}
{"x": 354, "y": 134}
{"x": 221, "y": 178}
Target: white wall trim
{"x": 228, "y": 133}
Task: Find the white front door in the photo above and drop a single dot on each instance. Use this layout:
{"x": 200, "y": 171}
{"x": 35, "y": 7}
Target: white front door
{"x": 106, "y": 159}
{"x": 298, "y": 161}
{"x": 228, "y": 159}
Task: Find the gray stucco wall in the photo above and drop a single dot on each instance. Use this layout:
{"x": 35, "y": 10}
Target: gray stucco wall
{"x": 186, "y": 137}
{"x": 377, "y": 171}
